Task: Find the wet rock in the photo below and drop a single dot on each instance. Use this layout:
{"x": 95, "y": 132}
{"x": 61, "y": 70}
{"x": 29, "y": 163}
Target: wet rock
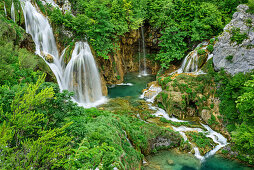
{"x": 170, "y": 162}
{"x": 205, "y": 115}
{"x": 49, "y": 58}
{"x": 28, "y": 43}
{"x": 236, "y": 57}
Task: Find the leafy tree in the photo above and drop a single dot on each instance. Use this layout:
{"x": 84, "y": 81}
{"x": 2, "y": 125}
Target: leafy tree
{"x": 24, "y": 142}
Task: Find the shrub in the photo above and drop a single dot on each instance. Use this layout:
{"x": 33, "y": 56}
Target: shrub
{"x": 251, "y": 6}
{"x": 229, "y": 58}
{"x": 212, "y": 41}
{"x": 237, "y": 36}
{"x": 201, "y": 52}
{"x": 210, "y": 48}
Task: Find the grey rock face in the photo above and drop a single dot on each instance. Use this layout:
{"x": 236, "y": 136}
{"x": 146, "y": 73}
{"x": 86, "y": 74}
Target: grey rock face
{"x": 241, "y": 55}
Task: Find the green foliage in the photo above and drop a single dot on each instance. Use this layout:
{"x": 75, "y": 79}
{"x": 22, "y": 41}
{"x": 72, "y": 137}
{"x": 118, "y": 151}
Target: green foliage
{"x": 172, "y": 46}
{"x": 200, "y": 139}
{"x": 237, "y": 95}
{"x": 230, "y": 89}
{"x": 17, "y": 65}
{"x": 212, "y": 120}
{"x": 101, "y": 28}
{"x": 181, "y": 24}
{"x": 245, "y": 102}
{"x": 210, "y": 48}
{"x": 23, "y": 136}
{"x": 212, "y": 41}
{"x": 237, "y": 36}
{"x": 229, "y": 58}
{"x": 243, "y": 137}
{"x": 251, "y": 6}
{"x": 201, "y": 52}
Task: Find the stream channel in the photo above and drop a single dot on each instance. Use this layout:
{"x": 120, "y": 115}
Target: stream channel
{"x": 131, "y": 90}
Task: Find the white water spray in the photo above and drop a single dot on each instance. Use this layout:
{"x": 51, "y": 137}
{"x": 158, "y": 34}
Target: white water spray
{"x": 13, "y": 11}
{"x": 80, "y": 75}
{"x": 144, "y": 71}
{"x": 5, "y": 10}
{"x": 190, "y": 62}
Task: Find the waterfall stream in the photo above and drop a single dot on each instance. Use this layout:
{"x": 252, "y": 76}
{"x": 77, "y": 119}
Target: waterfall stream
{"x": 80, "y": 75}
{"x": 5, "y": 10}
{"x": 216, "y": 137}
{"x": 190, "y": 62}
{"x": 12, "y": 11}
{"x": 142, "y": 63}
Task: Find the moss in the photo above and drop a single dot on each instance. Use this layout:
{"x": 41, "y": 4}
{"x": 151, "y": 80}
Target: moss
{"x": 229, "y": 58}
{"x": 202, "y": 60}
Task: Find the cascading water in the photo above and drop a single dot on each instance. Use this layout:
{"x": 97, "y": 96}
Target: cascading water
{"x": 144, "y": 71}
{"x": 81, "y": 74}
{"x": 13, "y": 11}
{"x": 5, "y": 10}
{"x": 190, "y": 62}
{"x": 153, "y": 91}
{"x": 39, "y": 28}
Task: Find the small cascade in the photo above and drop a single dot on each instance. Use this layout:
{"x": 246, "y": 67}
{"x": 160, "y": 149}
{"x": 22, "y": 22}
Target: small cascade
{"x": 5, "y": 10}
{"x": 51, "y": 2}
{"x": 13, "y": 11}
{"x": 150, "y": 94}
{"x": 80, "y": 75}
{"x": 191, "y": 63}
{"x": 144, "y": 71}
{"x": 216, "y": 137}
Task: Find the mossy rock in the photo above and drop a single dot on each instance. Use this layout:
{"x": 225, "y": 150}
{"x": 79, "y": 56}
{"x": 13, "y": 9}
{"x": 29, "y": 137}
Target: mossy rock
{"x": 202, "y": 60}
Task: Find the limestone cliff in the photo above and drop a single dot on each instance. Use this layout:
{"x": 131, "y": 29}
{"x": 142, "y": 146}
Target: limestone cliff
{"x": 234, "y": 50}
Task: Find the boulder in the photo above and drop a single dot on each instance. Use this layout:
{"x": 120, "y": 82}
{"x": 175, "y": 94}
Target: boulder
{"x": 170, "y": 162}
{"x": 49, "y": 58}
{"x": 235, "y": 56}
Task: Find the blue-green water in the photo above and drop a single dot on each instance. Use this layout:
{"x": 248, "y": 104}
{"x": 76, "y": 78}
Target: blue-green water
{"x": 135, "y": 90}
{"x": 175, "y": 161}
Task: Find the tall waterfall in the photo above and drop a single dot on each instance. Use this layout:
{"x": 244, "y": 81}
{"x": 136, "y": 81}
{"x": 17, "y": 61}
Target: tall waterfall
{"x": 142, "y": 72}
{"x": 80, "y": 75}
{"x": 13, "y": 11}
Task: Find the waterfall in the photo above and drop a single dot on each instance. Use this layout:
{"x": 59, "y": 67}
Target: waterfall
{"x": 80, "y": 75}
{"x": 5, "y": 10}
{"x": 51, "y": 2}
{"x": 144, "y": 71}
{"x": 190, "y": 62}
{"x": 13, "y": 11}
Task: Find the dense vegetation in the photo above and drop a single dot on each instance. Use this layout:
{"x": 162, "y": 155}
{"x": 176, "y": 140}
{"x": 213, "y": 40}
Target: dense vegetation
{"x": 181, "y": 24}
{"x": 237, "y": 102}
{"x": 40, "y": 127}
